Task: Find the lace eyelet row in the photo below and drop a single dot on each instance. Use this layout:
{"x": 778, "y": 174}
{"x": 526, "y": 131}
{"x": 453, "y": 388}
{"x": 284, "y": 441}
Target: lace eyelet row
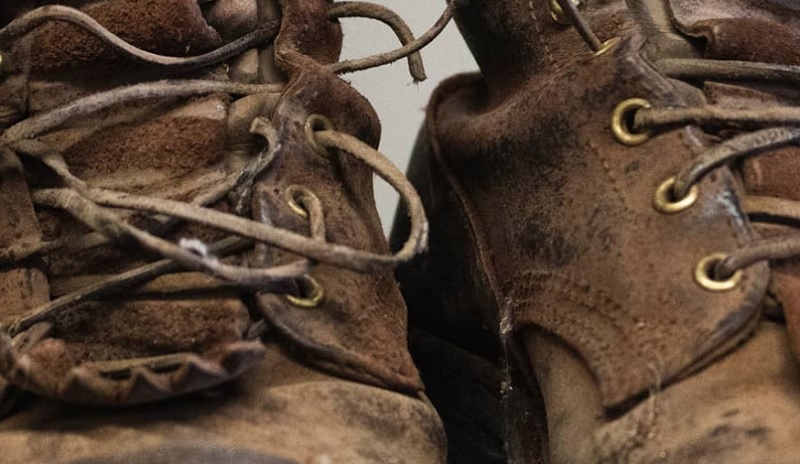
{"x": 313, "y": 292}
{"x": 664, "y": 200}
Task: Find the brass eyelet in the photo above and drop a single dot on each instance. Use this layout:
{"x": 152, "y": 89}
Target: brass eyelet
{"x": 607, "y": 45}
{"x": 314, "y": 294}
{"x": 314, "y": 123}
{"x": 703, "y": 274}
{"x": 293, "y": 195}
{"x": 622, "y": 115}
{"x": 665, "y": 201}
{"x": 5, "y": 64}
{"x": 558, "y": 14}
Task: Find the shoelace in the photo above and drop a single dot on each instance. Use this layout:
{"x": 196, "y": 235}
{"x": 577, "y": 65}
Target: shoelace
{"x": 771, "y": 128}
{"x": 98, "y": 208}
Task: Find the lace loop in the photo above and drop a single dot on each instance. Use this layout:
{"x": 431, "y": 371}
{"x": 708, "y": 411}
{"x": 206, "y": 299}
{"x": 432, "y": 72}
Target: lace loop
{"x": 378, "y": 12}
{"x": 417, "y": 240}
{"x": 349, "y": 66}
{"x": 296, "y": 198}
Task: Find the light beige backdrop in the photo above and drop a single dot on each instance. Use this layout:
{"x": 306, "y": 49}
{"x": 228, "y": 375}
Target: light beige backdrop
{"x": 399, "y": 102}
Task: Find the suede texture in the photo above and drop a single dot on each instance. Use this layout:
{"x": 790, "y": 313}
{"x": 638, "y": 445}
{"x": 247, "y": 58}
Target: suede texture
{"x": 302, "y": 395}
{"x": 147, "y": 149}
{"x": 172, "y": 27}
{"x": 548, "y": 258}
{"x": 593, "y": 212}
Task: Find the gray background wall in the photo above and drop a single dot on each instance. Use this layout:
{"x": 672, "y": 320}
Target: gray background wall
{"x": 399, "y": 102}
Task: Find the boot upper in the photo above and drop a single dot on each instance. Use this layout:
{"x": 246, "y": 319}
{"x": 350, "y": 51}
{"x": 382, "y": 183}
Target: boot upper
{"x": 180, "y": 330}
{"x": 576, "y": 230}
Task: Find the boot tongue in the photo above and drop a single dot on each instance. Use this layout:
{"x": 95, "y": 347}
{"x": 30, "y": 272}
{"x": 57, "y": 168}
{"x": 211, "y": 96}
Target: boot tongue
{"x": 766, "y": 31}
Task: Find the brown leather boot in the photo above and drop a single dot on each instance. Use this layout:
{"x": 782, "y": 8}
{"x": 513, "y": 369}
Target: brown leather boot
{"x": 613, "y": 274}
{"x": 193, "y": 269}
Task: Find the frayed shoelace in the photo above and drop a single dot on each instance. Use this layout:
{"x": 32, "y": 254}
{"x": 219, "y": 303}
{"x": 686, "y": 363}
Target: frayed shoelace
{"x": 99, "y": 208}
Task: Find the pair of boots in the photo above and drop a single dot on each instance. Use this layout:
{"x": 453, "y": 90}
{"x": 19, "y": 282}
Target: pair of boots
{"x": 192, "y": 268}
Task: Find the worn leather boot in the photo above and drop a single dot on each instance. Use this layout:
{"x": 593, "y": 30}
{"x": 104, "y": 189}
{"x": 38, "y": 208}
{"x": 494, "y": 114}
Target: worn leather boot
{"x": 613, "y": 272}
{"x": 193, "y": 269}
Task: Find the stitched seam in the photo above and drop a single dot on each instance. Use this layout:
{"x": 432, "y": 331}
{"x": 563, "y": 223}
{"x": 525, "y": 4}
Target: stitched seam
{"x": 536, "y": 27}
{"x": 594, "y": 298}
{"x": 610, "y": 174}
{"x": 597, "y": 300}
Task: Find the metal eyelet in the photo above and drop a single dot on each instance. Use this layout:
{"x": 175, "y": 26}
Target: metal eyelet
{"x": 704, "y": 274}
{"x": 622, "y": 115}
{"x": 294, "y": 198}
{"x": 314, "y": 123}
{"x": 665, "y": 201}
{"x": 5, "y": 64}
{"x": 314, "y": 294}
{"x": 607, "y": 45}
{"x": 558, "y": 14}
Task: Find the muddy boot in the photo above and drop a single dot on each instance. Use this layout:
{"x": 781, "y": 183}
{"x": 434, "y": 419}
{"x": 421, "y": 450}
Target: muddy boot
{"x": 613, "y": 273}
{"x": 192, "y": 266}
